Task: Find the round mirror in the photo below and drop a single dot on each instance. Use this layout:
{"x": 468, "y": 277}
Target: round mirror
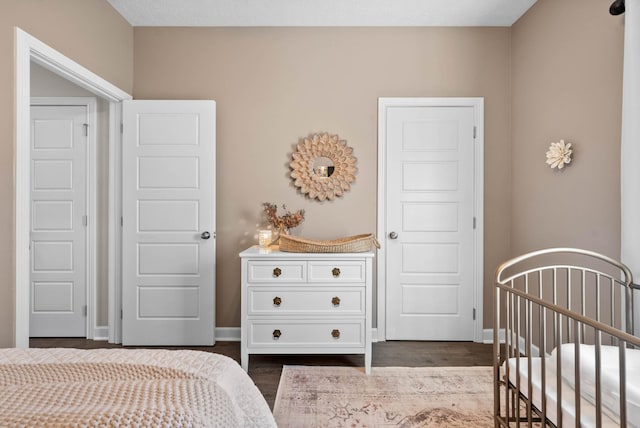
{"x": 323, "y": 166}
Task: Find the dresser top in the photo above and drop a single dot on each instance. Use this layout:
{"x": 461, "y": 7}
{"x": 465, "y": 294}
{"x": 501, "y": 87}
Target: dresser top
{"x": 256, "y": 252}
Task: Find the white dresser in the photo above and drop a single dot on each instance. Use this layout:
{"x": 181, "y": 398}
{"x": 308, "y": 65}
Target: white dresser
{"x": 306, "y": 303}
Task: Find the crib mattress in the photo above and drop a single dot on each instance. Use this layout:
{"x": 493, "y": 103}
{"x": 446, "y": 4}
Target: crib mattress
{"x": 609, "y": 384}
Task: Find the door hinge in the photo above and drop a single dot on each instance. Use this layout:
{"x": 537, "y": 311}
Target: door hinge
{"x": 84, "y": 311}
{"x": 121, "y": 221}
{"x": 474, "y": 222}
{"x": 474, "y": 314}
{"x": 474, "y": 132}
{"x": 85, "y": 220}
{"x": 120, "y": 313}
{"x": 86, "y": 129}
{"x": 121, "y": 127}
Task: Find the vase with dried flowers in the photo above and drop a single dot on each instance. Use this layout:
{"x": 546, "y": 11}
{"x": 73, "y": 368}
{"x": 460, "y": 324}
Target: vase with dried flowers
{"x": 282, "y": 223}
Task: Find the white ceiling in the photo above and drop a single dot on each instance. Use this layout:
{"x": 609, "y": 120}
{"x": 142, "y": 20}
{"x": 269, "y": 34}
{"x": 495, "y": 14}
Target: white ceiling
{"x": 324, "y": 13}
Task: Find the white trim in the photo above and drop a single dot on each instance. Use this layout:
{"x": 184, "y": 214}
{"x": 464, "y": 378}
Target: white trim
{"x": 478, "y": 268}
{"x": 101, "y": 333}
{"x": 487, "y": 335}
{"x": 487, "y": 338}
{"x": 22, "y": 187}
{"x": 115, "y": 224}
{"x": 478, "y": 108}
{"x": 227, "y": 334}
{"x": 381, "y": 271}
{"x": 27, "y": 49}
{"x": 630, "y": 150}
{"x": 91, "y": 201}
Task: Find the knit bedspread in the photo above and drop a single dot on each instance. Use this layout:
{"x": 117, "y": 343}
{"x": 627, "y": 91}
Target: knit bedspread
{"x": 125, "y": 387}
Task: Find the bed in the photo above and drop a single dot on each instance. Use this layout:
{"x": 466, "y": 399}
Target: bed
{"x": 564, "y": 349}
{"x": 127, "y": 387}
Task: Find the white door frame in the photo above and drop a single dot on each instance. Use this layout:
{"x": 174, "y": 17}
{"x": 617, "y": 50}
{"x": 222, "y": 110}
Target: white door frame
{"x": 478, "y": 108}
{"x": 28, "y": 49}
{"x": 90, "y": 207}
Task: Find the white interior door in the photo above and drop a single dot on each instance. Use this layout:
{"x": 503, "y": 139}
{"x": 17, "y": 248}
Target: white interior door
{"x": 58, "y": 221}
{"x": 168, "y": 295}
{"x": 430, "y": 223}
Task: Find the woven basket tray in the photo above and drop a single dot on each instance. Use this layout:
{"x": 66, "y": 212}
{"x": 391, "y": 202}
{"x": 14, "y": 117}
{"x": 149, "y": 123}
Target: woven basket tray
{"x": 351, "y": 244}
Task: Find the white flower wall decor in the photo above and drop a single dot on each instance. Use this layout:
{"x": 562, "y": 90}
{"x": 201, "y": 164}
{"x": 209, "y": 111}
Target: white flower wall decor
{"x": 559, "y": 154}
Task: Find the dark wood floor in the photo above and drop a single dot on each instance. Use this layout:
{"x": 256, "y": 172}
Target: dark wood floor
{"x": 265, "y": 370}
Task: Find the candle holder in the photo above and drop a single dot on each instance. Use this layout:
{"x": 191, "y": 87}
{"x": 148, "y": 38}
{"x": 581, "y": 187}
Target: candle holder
{"x": 265, "y": 237}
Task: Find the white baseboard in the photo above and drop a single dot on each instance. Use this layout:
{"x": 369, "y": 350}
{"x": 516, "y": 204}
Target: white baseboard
{"x": 487, "y": 335}
{"x": 101, "y": 333}
{"x": 227, "y": 334}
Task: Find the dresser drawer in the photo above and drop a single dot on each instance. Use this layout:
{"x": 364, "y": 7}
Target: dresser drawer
{"x": 336, "y": 271}
{"x": 315, "y": 299}
{"x": 306, "y": 333}
{"x": 276, "y": 271}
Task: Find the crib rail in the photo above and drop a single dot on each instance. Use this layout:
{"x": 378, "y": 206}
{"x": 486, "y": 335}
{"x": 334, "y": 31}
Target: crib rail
{"x": 547, "y": 299}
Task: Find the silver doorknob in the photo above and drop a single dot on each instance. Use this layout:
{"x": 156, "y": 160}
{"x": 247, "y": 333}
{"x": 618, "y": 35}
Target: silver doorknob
{"x": 205, "y": 235}
{"x": 393, "y": 235}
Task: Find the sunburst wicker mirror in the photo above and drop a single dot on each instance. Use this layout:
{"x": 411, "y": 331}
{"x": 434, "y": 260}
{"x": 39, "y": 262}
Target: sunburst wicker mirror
{"x": 323, "y": 166}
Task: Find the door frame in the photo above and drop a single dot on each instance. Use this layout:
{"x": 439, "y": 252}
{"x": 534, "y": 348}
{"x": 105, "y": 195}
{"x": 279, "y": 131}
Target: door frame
{"x": 477, "y": 103}
{"x": 90, "y": 160}
{"x": 28, "y": 49}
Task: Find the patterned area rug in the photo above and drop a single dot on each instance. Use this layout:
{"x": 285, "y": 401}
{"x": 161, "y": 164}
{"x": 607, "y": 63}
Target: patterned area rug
{"x": 388, "y": 397}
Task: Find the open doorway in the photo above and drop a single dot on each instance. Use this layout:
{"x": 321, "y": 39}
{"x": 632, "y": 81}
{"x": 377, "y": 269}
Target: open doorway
{"x": 30, "y": 50}
{"x": 69, "y": 154}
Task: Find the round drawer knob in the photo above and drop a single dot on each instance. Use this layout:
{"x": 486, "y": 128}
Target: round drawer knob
{"x": 277, "y": 301}
{"x": 335, "y": 333}
{"x": 335, "y": 272}
{"x": 276, "y": 334}
{"x": 277, "y": 272}
{"x": 335, "y": 301}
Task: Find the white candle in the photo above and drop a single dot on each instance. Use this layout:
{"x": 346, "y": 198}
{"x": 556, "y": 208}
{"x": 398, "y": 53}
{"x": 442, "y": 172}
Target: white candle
{"x": 264, "y": 238}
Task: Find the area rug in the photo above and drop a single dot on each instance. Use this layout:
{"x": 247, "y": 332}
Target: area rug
{"x": 388, "y": 397}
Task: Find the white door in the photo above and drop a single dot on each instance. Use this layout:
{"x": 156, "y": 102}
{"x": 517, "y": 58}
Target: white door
{"x": 58, "y": 222}
{"x": 168, "y": 233}
{"x": 429, "y": 223}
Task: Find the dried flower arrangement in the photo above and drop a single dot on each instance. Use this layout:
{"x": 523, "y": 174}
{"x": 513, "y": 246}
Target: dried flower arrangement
{"x": 285, "y": 222}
